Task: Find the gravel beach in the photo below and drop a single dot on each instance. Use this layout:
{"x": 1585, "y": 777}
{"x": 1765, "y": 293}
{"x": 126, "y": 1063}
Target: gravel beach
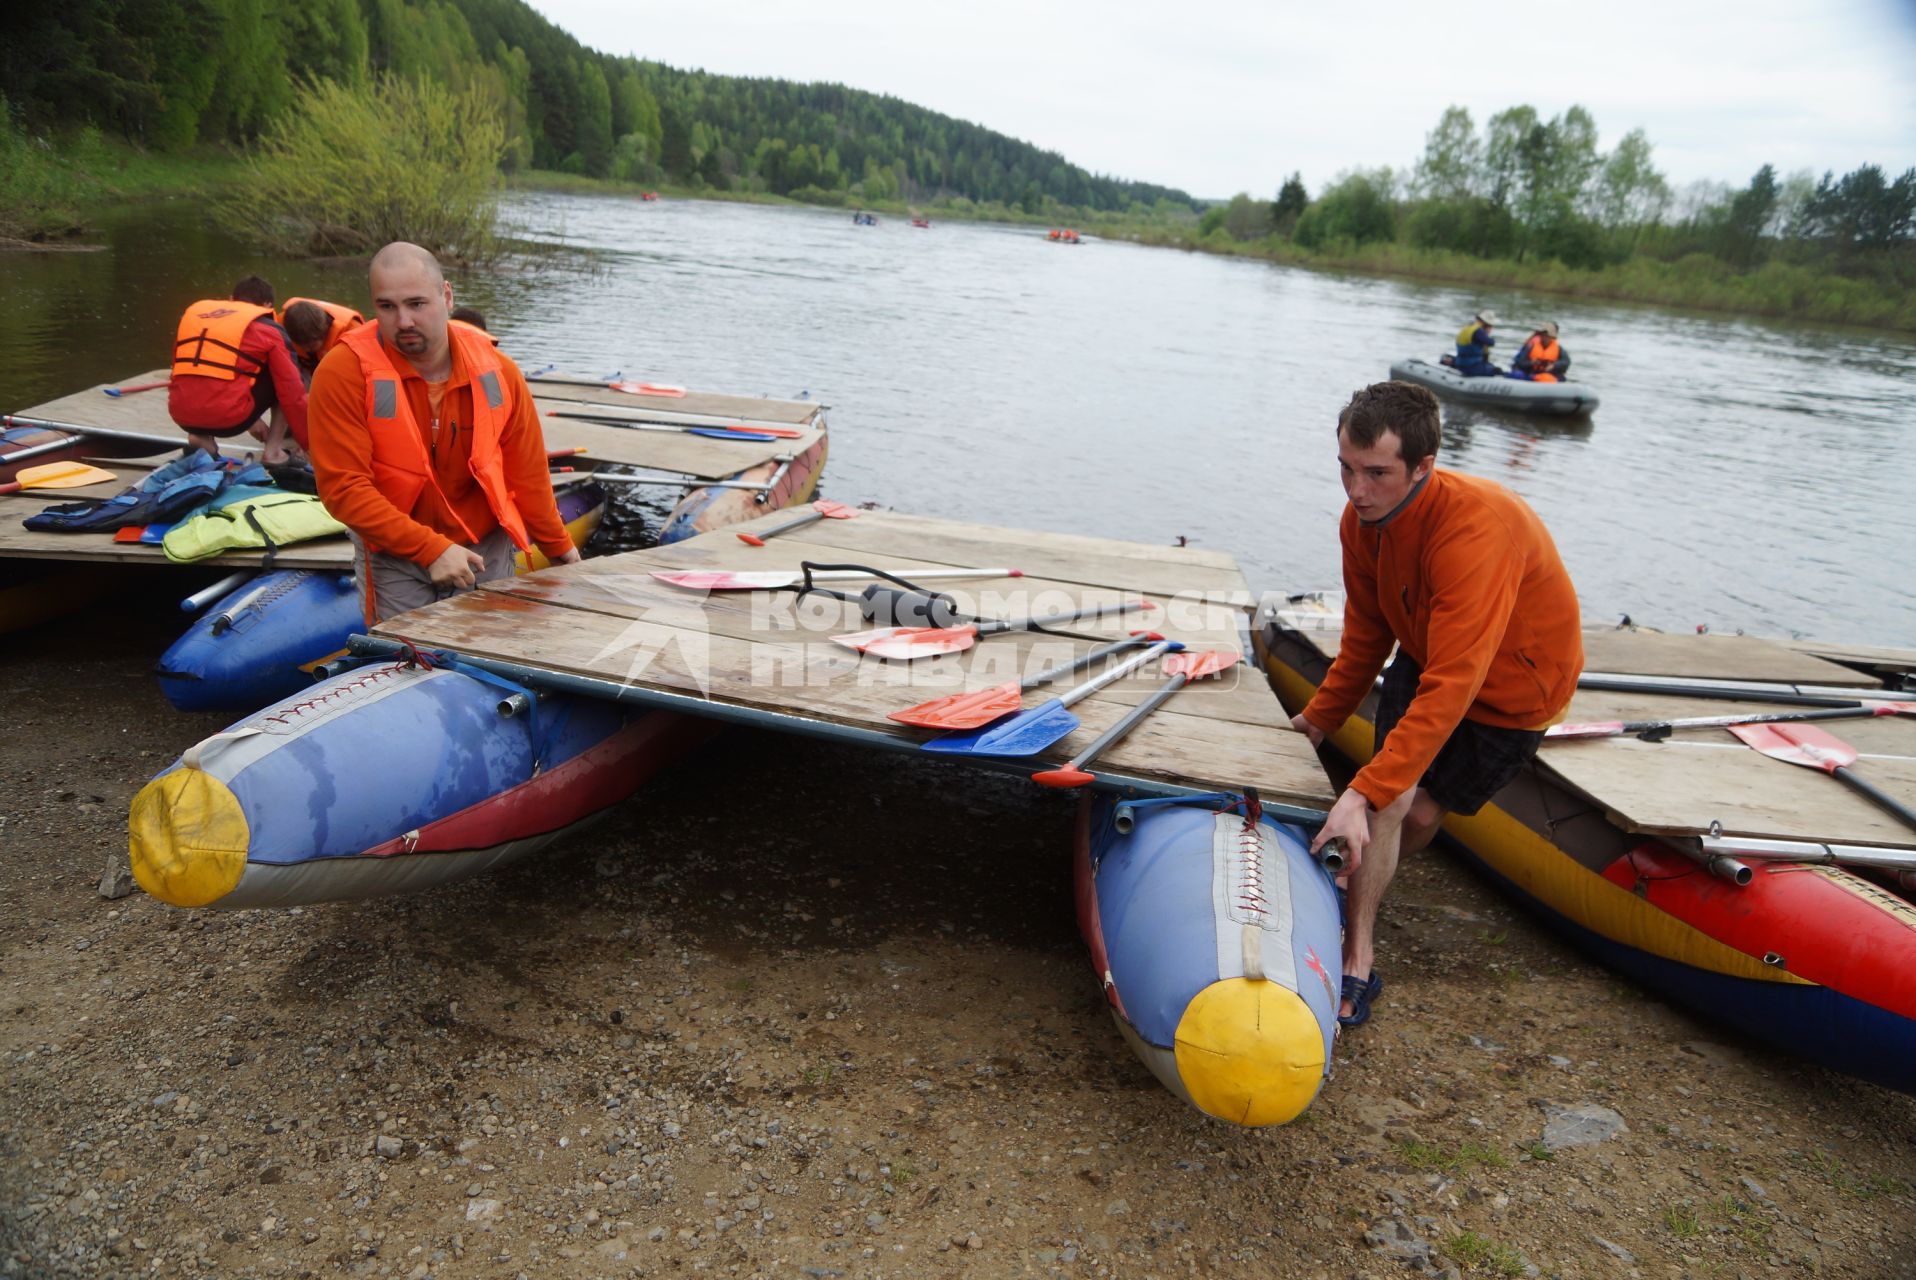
{"x": 801, "y": 1011}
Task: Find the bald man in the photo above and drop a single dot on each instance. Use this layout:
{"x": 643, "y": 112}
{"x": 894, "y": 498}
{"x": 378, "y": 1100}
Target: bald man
{"x": 426, "y": 445}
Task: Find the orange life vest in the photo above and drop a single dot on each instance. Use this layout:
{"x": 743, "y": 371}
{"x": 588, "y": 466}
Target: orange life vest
{"x": 343, "y": 318}
{"x": 1544, "y": 352}
{"x": 208, "y": 342}
{"x": 402, "y": 469}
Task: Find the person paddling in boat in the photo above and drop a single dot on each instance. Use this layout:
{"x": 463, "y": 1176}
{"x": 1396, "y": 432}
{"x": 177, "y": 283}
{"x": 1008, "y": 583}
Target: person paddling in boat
{"x": 1541, "y": 358}
{"x": 1474, "y": 341}
{"x": 234, "y": 370}
{"x": 427, "y": 447}
{"x": 1462, "y": 579}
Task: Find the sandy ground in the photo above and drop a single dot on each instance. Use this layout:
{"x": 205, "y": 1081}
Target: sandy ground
{"x": 797, "y": 1011}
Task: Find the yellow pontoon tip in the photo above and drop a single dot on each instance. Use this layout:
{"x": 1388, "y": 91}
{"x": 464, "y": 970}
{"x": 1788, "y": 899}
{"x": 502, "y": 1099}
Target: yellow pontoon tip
{"x": 187, "y": 838}
{"x": 1250, "y": 1052}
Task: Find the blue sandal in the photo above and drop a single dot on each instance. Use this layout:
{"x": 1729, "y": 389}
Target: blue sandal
{"x": 1360, "y": 992}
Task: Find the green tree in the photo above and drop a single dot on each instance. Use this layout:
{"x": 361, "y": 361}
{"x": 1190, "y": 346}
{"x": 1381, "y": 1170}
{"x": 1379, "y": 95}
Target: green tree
{"x": 1747, "y": 217}
{"x": 593, "y": 132}
{"x": 1292, "y": 200}
{"x": 1357, "y": 208}
{"x": 1452, "y": 160}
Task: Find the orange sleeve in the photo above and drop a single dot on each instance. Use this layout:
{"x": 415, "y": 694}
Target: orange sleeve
{"x": 267, "y": 343}
{"x": 1366, "y": 641}
{"x": 528, "y": 471}
{"x": 1475, "y": 572}
{"x": 341, "y": 446}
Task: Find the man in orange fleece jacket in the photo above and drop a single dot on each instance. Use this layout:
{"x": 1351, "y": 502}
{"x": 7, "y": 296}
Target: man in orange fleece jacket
{"x": 1462, "y": 577}
{"x": 426, "y": 444}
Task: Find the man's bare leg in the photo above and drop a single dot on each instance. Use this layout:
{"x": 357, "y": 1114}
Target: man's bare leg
{"x": 200, "y": 440}
{"x": 1422, "y": 823}
{"x": 274, "y": 438}
{"x": 1365, "y": 888}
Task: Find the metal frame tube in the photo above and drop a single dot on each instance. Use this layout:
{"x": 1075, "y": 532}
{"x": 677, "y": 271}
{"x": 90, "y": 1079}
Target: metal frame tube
{"x": 695, "y": 705}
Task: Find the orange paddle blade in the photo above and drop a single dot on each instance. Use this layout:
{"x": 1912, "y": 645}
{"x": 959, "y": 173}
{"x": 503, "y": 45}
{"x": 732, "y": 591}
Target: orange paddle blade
{"x": 647, "y": 388}
{"x": 1199, "y": 663}
{"x": 971, "y": 710}
{"x": 57, "y": 475}
{"x": 1803, "y": 744}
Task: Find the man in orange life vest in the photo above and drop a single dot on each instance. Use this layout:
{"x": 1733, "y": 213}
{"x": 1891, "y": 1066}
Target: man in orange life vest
{"x": 426, "y": 445}
{"x": 1463, "y": 579}
{"x": 1541, "y": 358}
{"x": 232, "y": 366}
{"x": 315, "y": 328}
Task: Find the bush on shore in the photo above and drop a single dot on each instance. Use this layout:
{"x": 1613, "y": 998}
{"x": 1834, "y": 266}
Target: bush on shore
{"x": 349, "y": 169}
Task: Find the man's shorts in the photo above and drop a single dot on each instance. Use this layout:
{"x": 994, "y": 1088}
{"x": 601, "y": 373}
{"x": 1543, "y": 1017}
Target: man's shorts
{"x": 1475, "y": 761}
{"x": 265, "y": 400}
{"x": 399, "y": 585}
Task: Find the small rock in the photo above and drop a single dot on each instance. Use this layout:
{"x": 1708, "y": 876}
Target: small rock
{"x": 1394, "y": 1238}
{"x": 1621, "y": 1253}
{"x": 1754, "y": 1187}
{"x": 1117, "y": 1209}
{"x": 482, "y": 1210}
{"x": 1581, "y": 1126}
{"x": 389, "y": 1147}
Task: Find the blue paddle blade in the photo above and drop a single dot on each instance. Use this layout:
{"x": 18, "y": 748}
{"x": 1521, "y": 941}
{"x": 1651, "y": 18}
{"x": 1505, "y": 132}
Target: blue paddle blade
{"x": 725, "y": 433}
{"x": 1025, "y": 734}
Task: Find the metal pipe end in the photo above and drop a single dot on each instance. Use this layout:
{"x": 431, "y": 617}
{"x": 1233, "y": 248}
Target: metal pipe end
{"x": 1737, "y": 873}
{"x": 1124, "y": 820}
{"x": 1332, "y": 857}
{"x": 513, "y": 705}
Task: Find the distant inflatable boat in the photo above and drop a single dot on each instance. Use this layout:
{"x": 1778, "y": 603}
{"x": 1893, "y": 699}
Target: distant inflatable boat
{"x": 1561, "y": 398}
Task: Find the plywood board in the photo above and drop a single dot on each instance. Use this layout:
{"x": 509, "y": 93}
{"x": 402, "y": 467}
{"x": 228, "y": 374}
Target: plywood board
{"x": 701, "y": 456}
{"x": 608, "y": 619}
{"x": 711, "y": 404}
{"x": 1653, "y": 653}
{"x": 1701, "y": 776}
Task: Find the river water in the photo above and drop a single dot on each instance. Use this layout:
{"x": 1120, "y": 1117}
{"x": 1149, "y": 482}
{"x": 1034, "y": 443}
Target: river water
{"x": 1740, "y": 474}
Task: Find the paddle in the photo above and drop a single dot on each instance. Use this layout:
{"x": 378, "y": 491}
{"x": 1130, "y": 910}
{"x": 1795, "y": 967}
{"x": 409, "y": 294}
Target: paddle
{"x": 56, "y": 475}
{"x": 978, "y": 707}
{"x": 716, "y": 433}
{"x": 772, "y": 579}
{"x": 630, "y": 388}
{"x": 1029, "y": 732}
{"x": 823, "y": 509}
{"x": 768, "y": 430}
{"x": 1182, "y": 668}
{"x": 1652, "y": 730}
{"x": 1815, "y": 748}
{"x": 1803, "y": 695}
{"x": 907, "y": 643}
{"x": 117, "y": 392}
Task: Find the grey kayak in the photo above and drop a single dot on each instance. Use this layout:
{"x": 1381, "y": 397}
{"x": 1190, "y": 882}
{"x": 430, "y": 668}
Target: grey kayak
{"x": 1497, "y": 393}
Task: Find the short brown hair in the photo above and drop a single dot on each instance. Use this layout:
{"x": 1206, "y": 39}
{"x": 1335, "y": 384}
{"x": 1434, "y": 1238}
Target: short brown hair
{"x": 305, "y": 323}
{"x": 255, "y": 290}
{"x": 1403, "y": 408}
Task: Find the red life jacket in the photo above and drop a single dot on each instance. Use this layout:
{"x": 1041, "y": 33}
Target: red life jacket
{"x": 402, "y": 469}
{"x": 207, "y": 344}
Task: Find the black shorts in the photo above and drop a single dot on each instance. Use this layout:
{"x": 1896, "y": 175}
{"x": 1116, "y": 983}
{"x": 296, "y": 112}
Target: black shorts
{"x": 1475, "y": 761}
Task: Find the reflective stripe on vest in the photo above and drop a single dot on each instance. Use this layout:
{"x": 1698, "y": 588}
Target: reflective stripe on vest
{"x": 207, "y": 344}
{"x": 402, "y": 469}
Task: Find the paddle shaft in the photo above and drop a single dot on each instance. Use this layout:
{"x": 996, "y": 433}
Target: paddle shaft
{"x": 1617, "y": 728}
{"x": 1066, "y": 668}
{"x": 1128, "y": 722}
{"x": 663, "y": 418}
{"x": 108, "y": 433}
{"x": 1864, "y": 787}
{"x": 1079, "y": 693}
{"x": 1803, "y": 695}
{"x": 116, "y": 392}
{"x": 796, "y": 522}
{"x": 1000, "y": 626}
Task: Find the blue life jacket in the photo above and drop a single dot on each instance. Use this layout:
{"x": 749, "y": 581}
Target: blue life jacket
{"x": 168, "y": 494}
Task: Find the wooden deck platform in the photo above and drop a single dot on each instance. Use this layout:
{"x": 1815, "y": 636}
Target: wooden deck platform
{"x": 696, "y": 457}
{"x": 765, "y": 655}
{"x": 1682, "y": 785}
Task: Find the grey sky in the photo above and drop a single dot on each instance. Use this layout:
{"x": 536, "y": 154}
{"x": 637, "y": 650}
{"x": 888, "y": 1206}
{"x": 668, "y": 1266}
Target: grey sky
{"x": 1232, "y": 96}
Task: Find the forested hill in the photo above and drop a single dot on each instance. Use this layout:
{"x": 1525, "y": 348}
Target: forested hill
{"x": 172, "y": 73}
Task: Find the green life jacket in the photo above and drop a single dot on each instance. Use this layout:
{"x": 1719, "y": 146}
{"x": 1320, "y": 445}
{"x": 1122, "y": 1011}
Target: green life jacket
{"x": 270, "y": 520}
